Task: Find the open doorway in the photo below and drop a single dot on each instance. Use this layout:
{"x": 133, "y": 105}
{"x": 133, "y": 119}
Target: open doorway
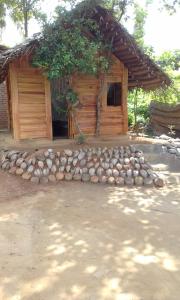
{"x": 59, "y": 111}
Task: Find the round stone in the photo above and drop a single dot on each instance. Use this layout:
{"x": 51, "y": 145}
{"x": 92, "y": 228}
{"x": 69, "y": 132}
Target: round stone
{"x": 30, "y": 169}
{"x": 77, "y": 177}
{"x": 159, "y": 182}
{"x": 68, "y": 168}
{"x": 114, "y": 161}
{"x": 141, "y": 160}
{"x": 38, "y": 172}
{"x": 19, "y": 161}
{"x": 63, "y": 161}
{"x": 54, "y": 169}
{"x": 46, "y": 154}
{"x": 59, "y": 176}
{"x": 75, "y": 160}
{"x": 45, "y": 172}
{"x": 138, "y": 180}
{"x": 68, "y": 176}
{"x": 12, "y": 170}
{"x": 111, "y": 180}
{"x": 126, "y": 161}
{"x": 68, "y": 152}
{"x": 85, "y": 177}
{"x": 129, "y": 181}
{"x": 57, "y": 162}
{"x": 35, "y": 179}
{"x": 137, "y": 166}
{"x": 109, "y": 172}
{"x": 23, "y": 165}
{"x": 82, "y": 163}
{"x": 99, "y": 171}
{"x": 84, "y": 171}
{"x": 119, "y": 167}
{"x": 103, "y": 179}
{"x": 52, "y": 178}
{"x": 26, "y": 176}
{"x": 81, "y": 155}
{"x": 143, "y": 173}
{"x": 119, "y": 181}
{"x": 115, "y": 173}
{"x": 129, "y": 173}
{"x": 92, "y": 171}
{"x": 44, "y": 180}
{"x": 70, "y": 159}
{"x": 13, "y": 157}
{"x": 148, "y": 181}
{"x": 19, "y": 171}
{"x": 50, "y": 150}
{"x": 52, "y": 156}
{"x": 123, "y": 174}
{"x": 135, "y": 173}
{"x": 61, "y": 169}
{"x": 40, "y": 164}
{"x": 105, "y": 165}
{"x": 49, "y": 163}
{"x": 94, "y": 179}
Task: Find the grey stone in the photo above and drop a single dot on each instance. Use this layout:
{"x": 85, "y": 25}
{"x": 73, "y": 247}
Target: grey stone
{"x": 52, "y": 178}
{"x": 129, "y": 181}
{"x": 46, "y": 154}
{"x": 68, "y": 168}
{"x": 114, "y": 161}
{"x": 82, "y": 163}
{"x": 115, "y": 173}
{"x": 57, "y": 162}
{"x": 70, "y": 159}
{"x": 12, "y": 170}
{"x": 30, "y": 169}
{"x": 40, "y": 164}
{"x": 92, "y": 171}
{"x": 159, "y": 182}
{"x": 50, "y": 150}
{"x": 126, "y": 161}
{"x": 119, "y": 181}
{"x": 129, "y": 173}
{"x": 148, "y": 181}
{"x": 111, "y": 180}
{"x": 109, "y": 172}
{"x": 143, "y": 173}
{"x": 68, "y": 176}
{"x": 84, "y": 170}
{"x": 49, "y": 163}
{"x": 123, "y": 173}
{"x": 54, "y": 169}
{"x": 23, "y": 165}
{"x": 35, "y": 179}
{"x": 105, "y": 165}
{"x": 61, "y": 169}
{"x": 137, "y": 166}
{"x": 97, "y": 165}
{"x": 135, "y": 173}
{"x": 119, "y": 167}
{"x": 100, "y": 171}
{"x": 45, "y": 172}
{"x": 63, "y": 161}
{"x": 172, "y": 151}
{"x": 138, "y": 181}
{"x": 77, "y": 170}
{"x": 52, "y": 156}
{"x": 103, "y": 179}
{"x": 14, "y": 157}
{"x": 75, "y": 160}
{"x": 141, "y": 160}
{"x": 81, "y": 155}
{"x": 38, "y": 172}
{"x": 44, "y": 180}
{"x": 68, "y": 152}
{"x": 85, "y": 177}
{"x": 19, "y": 161}
{"x": 77, "y": 177}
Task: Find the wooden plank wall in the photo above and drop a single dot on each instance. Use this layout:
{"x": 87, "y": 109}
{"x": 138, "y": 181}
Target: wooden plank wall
{"x": 113, "y": 120}
{"x": 31, "y": 102}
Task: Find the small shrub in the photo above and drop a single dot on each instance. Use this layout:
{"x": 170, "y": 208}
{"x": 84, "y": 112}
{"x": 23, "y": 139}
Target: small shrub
{"x": 81, "y": 139}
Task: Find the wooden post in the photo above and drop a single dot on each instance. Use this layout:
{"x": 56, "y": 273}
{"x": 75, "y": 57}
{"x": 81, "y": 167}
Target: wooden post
{"x": 48, "y": 108}
{"x": 124, "y": 100}
{"x": 14, "y": 101}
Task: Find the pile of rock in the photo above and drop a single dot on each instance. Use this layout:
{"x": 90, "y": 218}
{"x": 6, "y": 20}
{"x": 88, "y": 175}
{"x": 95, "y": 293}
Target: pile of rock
{"x": 172, "y": 145}
{"x": 118, "y": 165}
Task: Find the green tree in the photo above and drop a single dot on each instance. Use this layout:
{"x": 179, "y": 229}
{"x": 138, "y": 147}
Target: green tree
{"x": 21, "y": 11}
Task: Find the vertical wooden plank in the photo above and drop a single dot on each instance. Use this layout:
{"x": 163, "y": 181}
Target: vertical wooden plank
{"x": 48, "y": 108}
{"x": 14, "y": 101}
{"x": 124, "y": 100}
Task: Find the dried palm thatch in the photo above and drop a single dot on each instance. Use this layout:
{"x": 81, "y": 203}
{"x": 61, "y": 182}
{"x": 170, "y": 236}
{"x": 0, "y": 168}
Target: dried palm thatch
{"x": 143, "y": 72}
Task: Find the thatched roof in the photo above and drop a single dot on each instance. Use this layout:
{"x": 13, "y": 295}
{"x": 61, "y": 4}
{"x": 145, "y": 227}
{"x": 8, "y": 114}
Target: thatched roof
{"x": 143, "y": 72}
{"x": 3, "y": 48}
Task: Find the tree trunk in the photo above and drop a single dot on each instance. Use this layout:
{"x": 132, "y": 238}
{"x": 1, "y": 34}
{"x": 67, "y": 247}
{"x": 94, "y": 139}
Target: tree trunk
{"x": 98, "y": 106}
{"x": 25, "y": 13}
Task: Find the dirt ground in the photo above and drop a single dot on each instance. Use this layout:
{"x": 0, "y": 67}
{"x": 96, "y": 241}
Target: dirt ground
{"x": 74, "y": 241}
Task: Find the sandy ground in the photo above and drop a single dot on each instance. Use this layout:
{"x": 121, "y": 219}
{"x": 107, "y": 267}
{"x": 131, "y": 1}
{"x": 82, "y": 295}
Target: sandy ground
{"x": 73, "y": 241}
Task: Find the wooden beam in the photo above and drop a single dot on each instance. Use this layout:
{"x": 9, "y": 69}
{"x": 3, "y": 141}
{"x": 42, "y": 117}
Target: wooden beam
{"x": 14, "y": 101}
{"x": 48, "y": 108}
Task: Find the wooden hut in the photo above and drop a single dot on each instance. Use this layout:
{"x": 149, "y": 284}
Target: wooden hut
{"x": 32, "y": 103}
